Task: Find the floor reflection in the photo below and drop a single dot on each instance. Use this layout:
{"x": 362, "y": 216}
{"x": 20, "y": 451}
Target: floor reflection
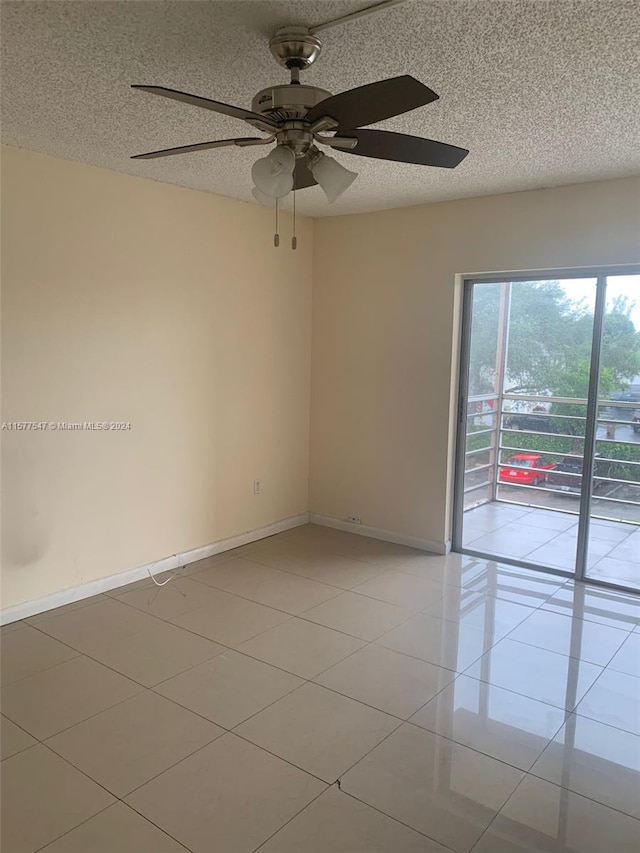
{"x": 549, "y": 538}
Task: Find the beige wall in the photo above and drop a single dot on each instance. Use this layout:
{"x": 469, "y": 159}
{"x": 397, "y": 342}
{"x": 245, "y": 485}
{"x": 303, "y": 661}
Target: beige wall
{"x": 385, "y": 318}
{"x": 130, "y": 300}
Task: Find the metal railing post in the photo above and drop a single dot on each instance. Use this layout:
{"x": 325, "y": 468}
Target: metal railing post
{"x": 504, "y": 313}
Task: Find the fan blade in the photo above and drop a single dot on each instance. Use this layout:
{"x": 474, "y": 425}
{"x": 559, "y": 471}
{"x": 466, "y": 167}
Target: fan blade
{"x": 206, "y": 103}
{"x": 384, "y": 145}
{"x": 302, "y": 176}
{"x": 202, "y": 146}
{"x": 374, "y": 102}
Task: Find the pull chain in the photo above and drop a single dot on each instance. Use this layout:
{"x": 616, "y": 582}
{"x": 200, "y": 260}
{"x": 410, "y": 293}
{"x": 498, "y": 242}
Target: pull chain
{"x": 276, "y": 236}
{"x": 294, "y": 239}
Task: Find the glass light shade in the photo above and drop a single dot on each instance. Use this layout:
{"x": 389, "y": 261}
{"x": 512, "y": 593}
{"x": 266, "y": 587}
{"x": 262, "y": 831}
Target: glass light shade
{"x": 273, "y": 175}
{"x": 332, "y": 176}
{"x": 263, "y": 198}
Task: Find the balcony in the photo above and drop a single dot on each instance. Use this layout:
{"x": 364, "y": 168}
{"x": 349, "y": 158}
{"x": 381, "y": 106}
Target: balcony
{"x": 533, "y": 519}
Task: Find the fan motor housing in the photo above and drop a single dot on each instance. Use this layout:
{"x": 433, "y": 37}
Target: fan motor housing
{"x": 288, "y": 102}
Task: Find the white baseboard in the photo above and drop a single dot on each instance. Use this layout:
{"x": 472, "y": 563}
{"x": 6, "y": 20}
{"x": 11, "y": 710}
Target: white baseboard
{"x": 430, "y": 545}
{"x": 86, "y": 590}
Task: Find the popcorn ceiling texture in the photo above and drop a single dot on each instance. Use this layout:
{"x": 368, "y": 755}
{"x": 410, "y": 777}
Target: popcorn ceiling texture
{"x": 542, "y": 93}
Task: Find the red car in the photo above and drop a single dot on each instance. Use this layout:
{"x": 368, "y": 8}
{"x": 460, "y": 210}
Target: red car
{"x": 529, "y": 469}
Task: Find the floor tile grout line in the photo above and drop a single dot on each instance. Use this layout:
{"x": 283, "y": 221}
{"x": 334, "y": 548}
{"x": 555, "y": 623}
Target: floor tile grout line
{"x": 354, "y": 590}
{"x": 548, "y": 651}
{"x": 47, "y": 668}
{"x": 328, "y": 553}
{"x": 246, "y": 719}
{"x": 247, "y": 740}
{"x": 240, "y": 737}
{"x": 301, "y": 615}
{"x": 381, "y": 710}
{"x": 342, "y": 775}
{"x": 373, "y": 642}
{"x": 488, "y": 754}
{"x": 408, "y": 720}
{"x": 145, "y": 687}
{"x": 150, "y": 687}
{"x": 415, "y": 657}
{"x": 567, "y": 788}
{"x": 614, "y": 544}
{"x": 153, "y": 823}
{"x": 543, "y": 648}
{"x": 43, "y": 849}
{"x": 567, "y": 711}
{"x": 517, "y": 693}
{"x": 368, "y": 805}
{"x": 200, "y": 606}
{"x": 355, "y": 636}
{"x": 90, "y": 717}
{"x": 231, "y": 731}
{"x": 17, "y": 725}
{"x": 171, "y": 766}
{"x": 180, "y": 628}
{"x": 293, "y": 817}
{"x": 585, "y": 618}
{"x": 551, "y": 651}
{"x": 289, "y": 615}
{"x": 19, "y": 751}
{"x": 527, "y": 775}
{"x": 273, "y": 569}
{"x": 396, "y": 819}
{"x": 326, "y": 583}
{"x": 86, "y": 775}
{"x": 279, "y": 757}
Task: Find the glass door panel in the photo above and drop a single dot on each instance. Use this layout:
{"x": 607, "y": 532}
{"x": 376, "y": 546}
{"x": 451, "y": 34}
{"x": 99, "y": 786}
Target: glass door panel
{"x": 613, "y": 553}
{"x": 525, "y": 407}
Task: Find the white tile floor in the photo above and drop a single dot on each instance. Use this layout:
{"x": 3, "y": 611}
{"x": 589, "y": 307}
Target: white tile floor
{"x": 549, "y": 538}
{"x": 319, "y": 692}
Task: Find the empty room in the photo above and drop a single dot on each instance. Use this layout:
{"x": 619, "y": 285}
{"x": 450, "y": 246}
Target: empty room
{"x": 320, "y": 426}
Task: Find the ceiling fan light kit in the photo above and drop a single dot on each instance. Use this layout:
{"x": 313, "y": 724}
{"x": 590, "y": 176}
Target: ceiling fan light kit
{"x": 333, "y": 178}
{"x": 298, "y": 118}
{"x": 273, "y": 174}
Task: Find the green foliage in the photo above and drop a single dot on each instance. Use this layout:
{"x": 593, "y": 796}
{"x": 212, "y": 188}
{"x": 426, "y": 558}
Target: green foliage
{"x": 484, "y": 338}
{"x": 546, "y": 332}
{"x": 622, "y": 453}
{"x": 550, "y": 337}
{"x": 552, "y": 446}
{"x": 620, "y": 345}
{"x": 549, "y": 354}
{"x": 476, "y": 442}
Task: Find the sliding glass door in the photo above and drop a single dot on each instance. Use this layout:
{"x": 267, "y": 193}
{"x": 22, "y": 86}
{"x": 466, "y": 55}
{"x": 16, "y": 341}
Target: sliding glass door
{"x": 548, "y": 462}
{"x": 613, "y": 552}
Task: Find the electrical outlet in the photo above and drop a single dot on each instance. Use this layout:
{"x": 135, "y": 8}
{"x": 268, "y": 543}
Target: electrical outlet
{"x": 257, "y": 487}
{"x": 355, "y": 519}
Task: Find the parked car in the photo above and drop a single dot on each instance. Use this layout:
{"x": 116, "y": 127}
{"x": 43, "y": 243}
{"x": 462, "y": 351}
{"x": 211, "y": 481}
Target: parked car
{"x": 525, "y": 469}
{"x": 635, "y": 417}
{"x": 530, "y": 422}
{"x": 567, "y": 475}
{"x": 626, "y": 396}
{"x": 538, "y": 423}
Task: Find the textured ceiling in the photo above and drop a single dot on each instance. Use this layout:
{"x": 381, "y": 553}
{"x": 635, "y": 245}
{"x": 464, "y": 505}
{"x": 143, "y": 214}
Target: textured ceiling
{"x": 542, "y": 93}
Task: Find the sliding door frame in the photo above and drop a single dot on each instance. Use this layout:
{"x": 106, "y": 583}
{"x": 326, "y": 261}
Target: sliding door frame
{"x": 600, "y": 275}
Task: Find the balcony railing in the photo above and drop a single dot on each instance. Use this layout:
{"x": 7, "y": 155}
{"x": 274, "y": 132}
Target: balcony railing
{"x": 491, "y": 417}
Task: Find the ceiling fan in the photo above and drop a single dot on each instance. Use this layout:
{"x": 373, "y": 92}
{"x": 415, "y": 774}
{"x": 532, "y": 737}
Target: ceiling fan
{"x": 298, "y": 118}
